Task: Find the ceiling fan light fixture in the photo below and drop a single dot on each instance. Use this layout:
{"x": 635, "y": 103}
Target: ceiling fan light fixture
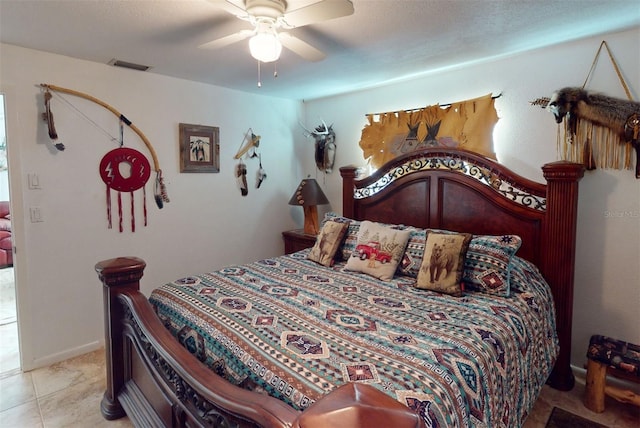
{"x": 265, "y": 46}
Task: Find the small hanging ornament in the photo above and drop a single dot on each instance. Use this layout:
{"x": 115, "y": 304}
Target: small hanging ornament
{"x": 110, "y": 172}
{"x": 261, "y": 175}
{"x": 241, "y": 178}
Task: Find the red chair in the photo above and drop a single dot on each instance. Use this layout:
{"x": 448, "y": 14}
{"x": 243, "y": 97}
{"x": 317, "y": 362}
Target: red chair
{"x": 6, "y": 245}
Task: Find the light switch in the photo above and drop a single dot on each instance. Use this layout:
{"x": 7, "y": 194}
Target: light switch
{"x": 34, "y": 181}
{"x": 36, "y": 215}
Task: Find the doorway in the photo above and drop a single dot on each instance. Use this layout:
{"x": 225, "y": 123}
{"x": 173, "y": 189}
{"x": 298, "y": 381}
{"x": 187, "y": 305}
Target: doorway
{"x": 9, "y": 346}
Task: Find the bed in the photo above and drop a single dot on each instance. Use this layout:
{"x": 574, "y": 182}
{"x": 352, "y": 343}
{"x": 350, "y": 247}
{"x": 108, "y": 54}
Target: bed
{"x": 408, "y": 364}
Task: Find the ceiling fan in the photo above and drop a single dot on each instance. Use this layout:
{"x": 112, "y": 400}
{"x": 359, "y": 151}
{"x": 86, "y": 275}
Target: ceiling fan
{"x": 269, "y": 16}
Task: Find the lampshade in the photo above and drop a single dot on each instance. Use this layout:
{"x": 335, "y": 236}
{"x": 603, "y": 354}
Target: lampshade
{"x": 308, "y": 193}
{"x": 265, "y": 46}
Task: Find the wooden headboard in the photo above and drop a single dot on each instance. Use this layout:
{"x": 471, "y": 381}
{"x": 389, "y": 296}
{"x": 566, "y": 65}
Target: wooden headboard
{"x": 462, "y": 191}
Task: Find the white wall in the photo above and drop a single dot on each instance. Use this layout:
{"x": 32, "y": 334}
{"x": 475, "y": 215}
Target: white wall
{"x": 607, "y": 289}
{"x": 206, "y": 225}
{"x": 4, "y": 174}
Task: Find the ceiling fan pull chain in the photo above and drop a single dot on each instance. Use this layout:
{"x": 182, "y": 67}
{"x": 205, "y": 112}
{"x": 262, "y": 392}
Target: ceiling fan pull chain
{"x": 275, "y": 69}
{"x": 259, "y": 81}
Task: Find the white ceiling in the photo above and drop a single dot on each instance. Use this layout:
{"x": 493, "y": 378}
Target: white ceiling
{"x": 383, "y": 41}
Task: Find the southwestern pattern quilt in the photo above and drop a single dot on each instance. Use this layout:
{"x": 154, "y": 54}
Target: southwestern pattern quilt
{"x": 296, "y": 330}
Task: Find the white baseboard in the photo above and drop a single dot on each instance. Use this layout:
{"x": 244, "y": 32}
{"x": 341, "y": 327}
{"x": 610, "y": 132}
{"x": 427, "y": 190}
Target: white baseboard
{"x": 65, "y": 355}
{"x": 581, "y": 377}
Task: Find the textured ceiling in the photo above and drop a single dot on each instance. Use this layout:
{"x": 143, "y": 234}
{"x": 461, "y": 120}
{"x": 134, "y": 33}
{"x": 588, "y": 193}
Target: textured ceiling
{"x": 383, "y": 41}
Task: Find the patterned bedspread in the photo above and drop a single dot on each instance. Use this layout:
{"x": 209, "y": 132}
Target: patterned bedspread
{"x": 296, "y": 330}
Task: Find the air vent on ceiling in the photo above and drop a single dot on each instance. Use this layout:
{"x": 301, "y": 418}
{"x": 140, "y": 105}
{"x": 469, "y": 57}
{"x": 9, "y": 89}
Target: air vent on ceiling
{"x": 131, "y": 65}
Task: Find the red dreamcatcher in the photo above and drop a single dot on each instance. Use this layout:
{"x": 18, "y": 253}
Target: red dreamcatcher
{"x": 111, "y": 173}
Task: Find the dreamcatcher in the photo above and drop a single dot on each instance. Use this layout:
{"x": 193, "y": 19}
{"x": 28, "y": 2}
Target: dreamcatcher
{"x": 111, "y": 174}
{"x": 116, "y": 161}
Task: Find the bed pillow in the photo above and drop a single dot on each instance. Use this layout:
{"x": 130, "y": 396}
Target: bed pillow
{"x": 414, "y": 253}
{"x": 378, "y": 250}
{"x": 351, "y": 236}
{"x": 488, "y": 263}
{"x": 443, "y": 262}
{"x": 328, "y": 242}
{"x": 410, "y": 262}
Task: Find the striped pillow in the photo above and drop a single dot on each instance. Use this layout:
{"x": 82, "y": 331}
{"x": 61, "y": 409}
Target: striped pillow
{"x": 487, "y": 267}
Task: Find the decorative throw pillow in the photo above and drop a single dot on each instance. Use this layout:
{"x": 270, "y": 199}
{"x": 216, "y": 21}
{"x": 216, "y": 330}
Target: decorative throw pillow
{"x": 349, "y": 243}
{"x": 443, "y": 262}
{"x": 328, "y": 242}
{"x": 378, "y": 250}
{"x": 414, "y": 253}
{"x": 488, "y": 263}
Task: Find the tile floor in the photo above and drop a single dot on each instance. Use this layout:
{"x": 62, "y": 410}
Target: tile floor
{"x": 9, "y": 356}
{"x": 68, "y": 394}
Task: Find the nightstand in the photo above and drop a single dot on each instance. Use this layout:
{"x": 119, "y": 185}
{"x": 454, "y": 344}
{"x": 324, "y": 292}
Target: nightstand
{"x": 296, "y": 240}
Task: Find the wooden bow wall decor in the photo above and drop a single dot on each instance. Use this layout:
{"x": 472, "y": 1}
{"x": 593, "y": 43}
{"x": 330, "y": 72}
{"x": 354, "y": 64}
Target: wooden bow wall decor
{"x": 109, "y": 166}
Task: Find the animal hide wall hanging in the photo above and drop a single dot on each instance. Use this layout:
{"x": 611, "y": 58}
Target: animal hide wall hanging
{"x": 598, "y": 131}
{"x": 466, "y": 125}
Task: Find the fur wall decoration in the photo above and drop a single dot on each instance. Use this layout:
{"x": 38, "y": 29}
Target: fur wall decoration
{"x": 599, "y": 130}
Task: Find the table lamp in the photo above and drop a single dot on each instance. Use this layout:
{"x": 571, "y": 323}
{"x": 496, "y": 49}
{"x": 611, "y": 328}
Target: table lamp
{"x": 309, "y": 195}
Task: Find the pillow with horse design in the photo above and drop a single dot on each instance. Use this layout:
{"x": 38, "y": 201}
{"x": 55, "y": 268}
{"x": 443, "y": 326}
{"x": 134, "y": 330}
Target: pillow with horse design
{"x": 328, "y": 242}
{"x": 443, "y": 262}
{"x": 351, "y": 235}
{"x": 378, "y": 250}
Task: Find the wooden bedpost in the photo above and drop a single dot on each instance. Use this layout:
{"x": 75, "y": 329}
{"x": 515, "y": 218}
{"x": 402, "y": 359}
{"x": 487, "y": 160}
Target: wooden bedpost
{"x": 558, "y": 263}
{"x": 348, "y": 174}
{"x": 118, "y": 274}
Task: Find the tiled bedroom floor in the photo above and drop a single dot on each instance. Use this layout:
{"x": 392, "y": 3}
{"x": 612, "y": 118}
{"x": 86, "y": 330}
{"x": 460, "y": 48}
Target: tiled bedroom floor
{"x": 68, "y": 394}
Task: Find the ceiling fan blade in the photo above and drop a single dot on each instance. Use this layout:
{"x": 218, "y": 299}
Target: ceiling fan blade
{"x": 231, "y": 7}
{"x": 227, "y": 40}
{"x": 303, "y": 49}
{"x": 317, "y": 12}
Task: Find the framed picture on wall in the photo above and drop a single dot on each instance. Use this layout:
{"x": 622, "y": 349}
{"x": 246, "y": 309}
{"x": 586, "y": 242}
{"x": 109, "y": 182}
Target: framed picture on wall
{"x": 199, "y": 148}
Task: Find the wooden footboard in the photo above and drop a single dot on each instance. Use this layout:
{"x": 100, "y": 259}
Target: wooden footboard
{"x": 156, "y": 382}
